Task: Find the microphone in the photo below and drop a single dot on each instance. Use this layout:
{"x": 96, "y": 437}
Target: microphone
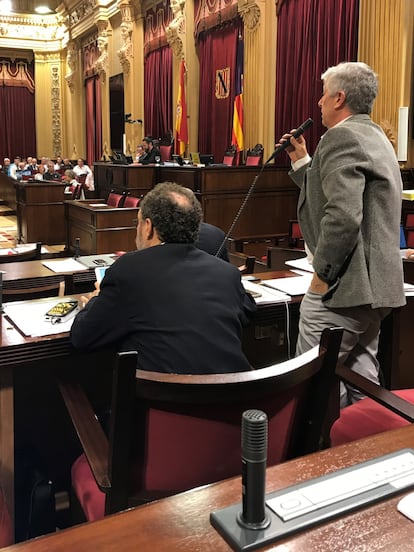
{"x": 77, "y": 248}
{"x": 254, "y": 457}
{"x": 298, "y": 132}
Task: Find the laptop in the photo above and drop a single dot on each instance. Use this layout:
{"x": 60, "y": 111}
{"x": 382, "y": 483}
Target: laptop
{"x": 207, "y": 158}
{"x": 403, "y": 242}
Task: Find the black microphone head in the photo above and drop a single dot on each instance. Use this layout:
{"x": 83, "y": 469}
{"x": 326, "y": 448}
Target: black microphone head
{"x": 254, "y": 436}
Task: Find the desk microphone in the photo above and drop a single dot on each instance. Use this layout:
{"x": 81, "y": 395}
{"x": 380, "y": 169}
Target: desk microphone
{"x": 77, "y": 248}
{"x": 254, "y": 457}
{"x": 298, "y": 132}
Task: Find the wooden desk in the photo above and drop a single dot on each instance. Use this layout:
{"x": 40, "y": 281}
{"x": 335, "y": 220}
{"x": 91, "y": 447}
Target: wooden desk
{"x": 100, "y": 228}
{"x": 40, "y": 212}
{"x": 181, "y": 523}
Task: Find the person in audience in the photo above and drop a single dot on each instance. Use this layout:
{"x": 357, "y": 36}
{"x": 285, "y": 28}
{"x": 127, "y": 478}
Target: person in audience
{"x": 349, "y": 212}
{"x": 151, "y": 152}
{"x": 72, "y": 184}
{"x": 6, "y": 166}
{"x": 81, "y": 168}
{"x": 13, "y": 167}
{"x": 67, "y": 164}
{"x": 51, "y": 174}
{"x": 58, "y": 164}
{"x": 179, "y": 307}
{"x": 40, "y": 173}
{"x": 22, "y": 170}
{"x": 32, "y": 164}
{"x": 210, "y": 239}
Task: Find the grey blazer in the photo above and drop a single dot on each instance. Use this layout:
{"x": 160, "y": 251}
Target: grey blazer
{"x": 349, "y": 210}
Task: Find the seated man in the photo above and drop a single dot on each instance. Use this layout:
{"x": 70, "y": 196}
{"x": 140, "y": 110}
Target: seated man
{"x": 51, "y": 174}
{"x": 179, "y": 307}
{"x": 210, "y": 239}
{"x": 151, "y": 152}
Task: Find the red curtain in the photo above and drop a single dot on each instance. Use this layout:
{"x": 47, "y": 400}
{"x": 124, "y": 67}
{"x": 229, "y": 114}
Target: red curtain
{"x": 311, "y": 37}
{"x": 17, "y": 106}
{"x": 93, "y": 119}
{"x": 158, "y": 117}
{"x": 217, "y": 53}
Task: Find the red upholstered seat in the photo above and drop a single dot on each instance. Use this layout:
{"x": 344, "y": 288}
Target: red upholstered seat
{"x": 185, "y": 431}
{"x": 115, "y": 200}
{"x": 131, "y": 201}
{"x": 367, "y": 417}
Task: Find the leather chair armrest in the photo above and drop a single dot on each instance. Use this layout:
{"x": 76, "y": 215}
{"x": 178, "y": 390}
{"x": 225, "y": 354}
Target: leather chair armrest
{"x": 379, "y": 394}
{"x": 91, "y": 435}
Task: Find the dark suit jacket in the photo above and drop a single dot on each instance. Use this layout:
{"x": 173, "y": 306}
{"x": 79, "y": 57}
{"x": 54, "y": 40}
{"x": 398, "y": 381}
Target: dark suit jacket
{"x": 150, "y": 156}
{"x": 210, "y": 239}
{"x": 179, "y": 307}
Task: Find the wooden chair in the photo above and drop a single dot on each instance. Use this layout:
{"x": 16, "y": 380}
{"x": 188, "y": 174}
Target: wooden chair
{"x": 230, "y": 156}
{"x": 31, "y": 255}
{"x": 254, "y": 156}
{"x": 131, "y": 201}
{"x": 115, "y": 199}
{"x": 166, "y": 146}
{"x": 20, "y": 291}
{"x": 382, "y": 410}
{"x": 185, "y": 431}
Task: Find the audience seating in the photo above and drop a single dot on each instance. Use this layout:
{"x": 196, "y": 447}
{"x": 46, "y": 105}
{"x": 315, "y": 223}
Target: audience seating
{"x": 382, "y": 410}
{"x": 34, "y": 254}
{"x": 254, "y": 156}
{"x": 115, "y": 199}
{"x": 185, "y": 431}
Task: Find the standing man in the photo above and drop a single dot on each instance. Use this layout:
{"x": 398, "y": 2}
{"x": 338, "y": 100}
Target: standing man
{"x": 179, "y": 307}
{"x": 349, "y": 211}
{"x": 150, "y": 152}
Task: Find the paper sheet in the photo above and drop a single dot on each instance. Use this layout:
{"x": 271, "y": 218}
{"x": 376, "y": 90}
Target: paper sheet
{"x": 261, "y": 294}
{"x": 64, "y": 265}
{"x": 297, "y": 285}
{"x": 29, "y": 316}
{"x": 302, "y": 264}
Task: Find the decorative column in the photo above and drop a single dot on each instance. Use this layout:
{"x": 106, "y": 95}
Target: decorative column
{"x": 102, "y": 69}
{"x": 259, "y": 79}
{"x": 180, "y": 36}
{"x": 73, "y": 104}
{"x": 385, "y": 43}
{"x": 132, "y": 62}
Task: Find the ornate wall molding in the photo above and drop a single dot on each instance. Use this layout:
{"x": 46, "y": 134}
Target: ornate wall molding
{"x": 56, "y": 111}
{"x": 125, "y": 53}
{"x": 175, "y": 31}
{"x": 102, "y": 63}
{"x": 32, "y": 32}
{"x": 72, "y": 63}
{"x": 250, "y": 13}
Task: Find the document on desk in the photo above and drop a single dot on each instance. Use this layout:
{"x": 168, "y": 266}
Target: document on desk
{"x": 64, "y": 265}
{"x": 409, "y": 290}
{"x": 296, "y": 285}
{"x": 261, "y": 294}
{"x": 302, "y": 264}
{"x": 29, "y": 317}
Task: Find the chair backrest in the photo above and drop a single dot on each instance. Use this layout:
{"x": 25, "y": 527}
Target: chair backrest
{"x": 165, "y": 152}
{"x": 230, "y": 156}
{"x": 131, "y": 201}
{"x": 295, "y": 234}
{"x": 254, "y": 156}
{"x": 115, "y": 199}
{"x": 186, "y": 429}
{"x": 63, "y": 285}
{"x": 30, "y": 255}
{"x": 81, "y": 178}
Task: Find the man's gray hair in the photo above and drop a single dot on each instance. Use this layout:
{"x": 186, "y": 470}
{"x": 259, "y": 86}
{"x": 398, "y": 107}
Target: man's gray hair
{"x": 357, "y": 80}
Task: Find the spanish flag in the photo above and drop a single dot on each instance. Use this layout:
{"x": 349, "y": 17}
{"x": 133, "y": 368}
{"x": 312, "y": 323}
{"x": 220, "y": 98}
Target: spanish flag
{"x": 237, "y": 138}
{"x": 181, "y": 127}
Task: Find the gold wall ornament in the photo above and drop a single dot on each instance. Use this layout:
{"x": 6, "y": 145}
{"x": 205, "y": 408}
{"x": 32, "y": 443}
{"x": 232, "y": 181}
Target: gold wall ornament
{"x": 102, "y": 63}
{"x": 56, "y": 112}
{"x": 175, "y": 31}
{"x": 250, "y": 13}
{"x": 72, "y": 63}
{"x": 125, "y": 53}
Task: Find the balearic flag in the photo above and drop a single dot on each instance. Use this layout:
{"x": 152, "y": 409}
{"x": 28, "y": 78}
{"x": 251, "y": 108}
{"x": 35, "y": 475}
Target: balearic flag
{"x": 181, "y": 127}
{"x": 237, "y": 138}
